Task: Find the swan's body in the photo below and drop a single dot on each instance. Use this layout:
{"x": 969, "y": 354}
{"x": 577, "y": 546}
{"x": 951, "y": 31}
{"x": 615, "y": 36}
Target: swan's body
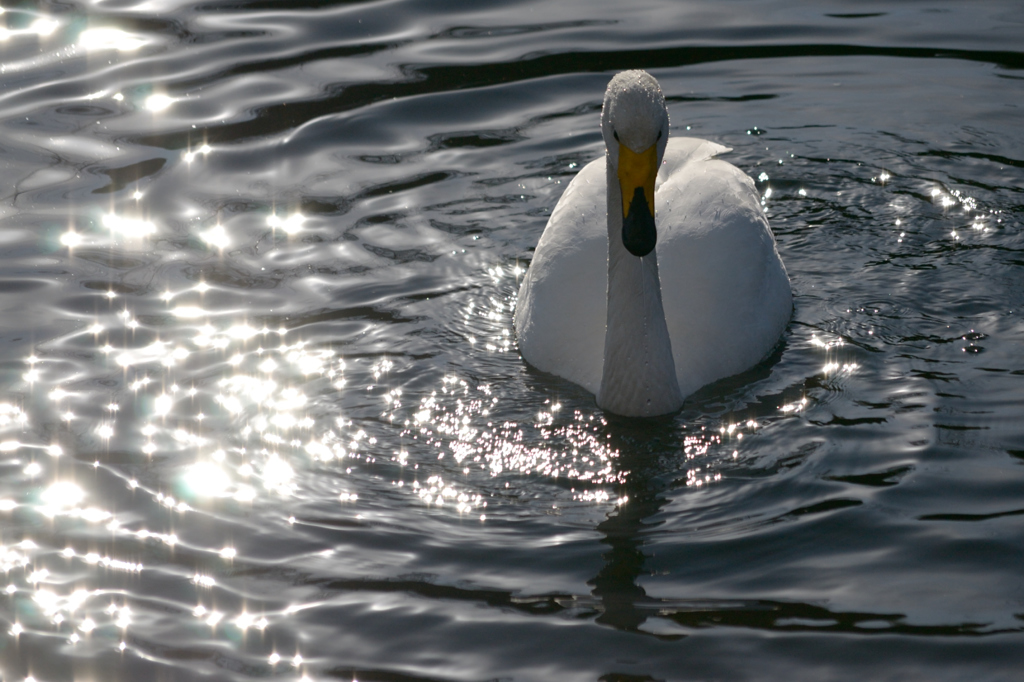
{"x": 643, "y": 332}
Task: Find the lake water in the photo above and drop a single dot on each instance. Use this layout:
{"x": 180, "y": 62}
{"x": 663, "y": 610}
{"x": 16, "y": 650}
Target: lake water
{"x": 262, "y": 414}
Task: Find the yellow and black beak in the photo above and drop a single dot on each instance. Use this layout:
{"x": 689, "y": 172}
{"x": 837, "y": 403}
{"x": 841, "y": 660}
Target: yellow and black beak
{"x": 637, "y": 172}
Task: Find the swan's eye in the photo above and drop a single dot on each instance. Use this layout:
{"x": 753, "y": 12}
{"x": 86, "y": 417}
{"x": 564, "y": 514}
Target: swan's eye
{"x": 615, "y": 134}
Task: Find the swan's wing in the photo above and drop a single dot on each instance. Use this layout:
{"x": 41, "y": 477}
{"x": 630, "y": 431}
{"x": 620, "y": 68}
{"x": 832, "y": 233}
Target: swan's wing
{"x": 727, "y": 296}
{"x": 681, "y": 151}
{"x": 560, "y": 314}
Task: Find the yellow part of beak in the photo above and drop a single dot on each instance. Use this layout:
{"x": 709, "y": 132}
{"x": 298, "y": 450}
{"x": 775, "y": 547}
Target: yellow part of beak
{"x": 637, "y": 170}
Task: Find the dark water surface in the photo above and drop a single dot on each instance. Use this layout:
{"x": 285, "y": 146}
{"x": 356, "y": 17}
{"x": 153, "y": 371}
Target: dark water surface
{"x": 261, "y": 409}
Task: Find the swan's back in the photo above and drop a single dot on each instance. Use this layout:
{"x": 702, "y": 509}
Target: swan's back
{"x": 725, "y": 291}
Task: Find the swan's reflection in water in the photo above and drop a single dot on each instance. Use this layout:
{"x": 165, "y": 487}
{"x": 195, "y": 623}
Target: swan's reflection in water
{"x": 615, "y": 586}
{"x": 654, "y": 460}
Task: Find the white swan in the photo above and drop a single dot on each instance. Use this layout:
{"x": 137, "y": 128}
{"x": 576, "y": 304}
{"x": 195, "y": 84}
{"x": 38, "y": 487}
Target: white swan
{"x": 592, "y": 307}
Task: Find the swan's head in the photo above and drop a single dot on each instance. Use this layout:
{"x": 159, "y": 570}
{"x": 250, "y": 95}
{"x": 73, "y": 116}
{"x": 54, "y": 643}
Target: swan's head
{"x": 634, "y": 122}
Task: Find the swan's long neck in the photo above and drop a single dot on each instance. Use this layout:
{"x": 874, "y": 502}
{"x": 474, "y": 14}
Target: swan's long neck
{"x": 639, "y": 376}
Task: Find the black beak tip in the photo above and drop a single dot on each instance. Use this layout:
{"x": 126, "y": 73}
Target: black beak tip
{"x": 639, "y": 235}
{"x": 639, "y": 247}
